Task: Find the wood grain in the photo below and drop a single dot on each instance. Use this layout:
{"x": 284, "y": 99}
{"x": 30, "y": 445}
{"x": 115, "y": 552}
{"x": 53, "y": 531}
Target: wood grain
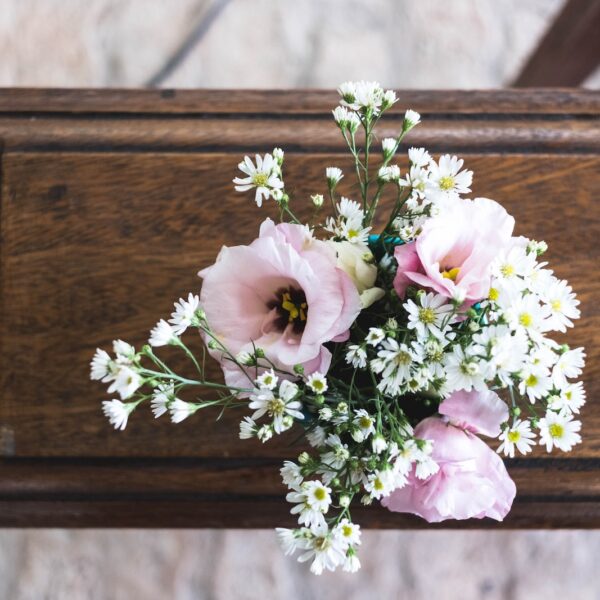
{"x": 112, "y": 201}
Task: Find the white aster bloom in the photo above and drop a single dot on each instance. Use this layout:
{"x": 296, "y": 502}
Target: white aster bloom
{"x": 162, "y": 334}
{"x": 101, "y": 366}
{"x": 463, "y": 371}
{"x": 348, "y": 533}
{"x": 312, "y": 500}
{"x": 535, "y": 382}
{"x": 364, "y": 96}
{"x": 519, "y": 436}
{"x": 381, "y": 483}
{"x": 388, "y": 146}
{"x": 317, "y": 382}
{"x": 291, "y": 474}
{"x": 248, "y": 428}
{"x": 513, "y": 265}
{"x": 528, "y": 314}
{"x": 562, "y": 304}
{"x": 334, "y": 175}
{"x": 264, "y": 176}
{"x": 433, "y": 316}
{"x": 244, "y": 358}
{"x": 560, "y": 430}
{"x": 389, "y": 173}
{"x": 447, "y": 178}
{"x": 356, "y": 356}
{"x": 124, "y": 352}
{"x": 378, "y": 444}
{"x": 316, "y": 436}
{"x": 185, "y": 313}
{"x": 570, "y": 398}
{"x": 292, "y": 540}
{"x": 569, "y": 365}
{"x": 324, "y": 549}
{"x": 411, "y": 118}
{"x": 393, "y": 363}
{"x": 267, "y": 380}
{"x": 425, "y": 466}
{"x": 265, "y": 401}
{"x": 419, "y": 157}
{"x": 126, "y": 382}
{"x": 375, "y": 336}
{"x": 161, "y": 397}
{"x": 337, "y": 455}
{"x": 181, "y": 410}
{"x": 117, "y": 412}
{"x": 364, "y": 424}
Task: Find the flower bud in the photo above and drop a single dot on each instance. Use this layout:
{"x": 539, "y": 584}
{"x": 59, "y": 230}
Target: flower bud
{"x": 304, "y": 458}
{"x": 317, "y": 200}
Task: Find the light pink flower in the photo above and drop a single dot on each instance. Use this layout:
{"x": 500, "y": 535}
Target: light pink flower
{"x": 472, "y": 481}
{"x": 284, "y": 294}
{"x": 454, "y": 252}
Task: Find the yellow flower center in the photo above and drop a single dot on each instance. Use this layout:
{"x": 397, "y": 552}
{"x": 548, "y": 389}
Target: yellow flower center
{"x": 556, "y": 305}
{"x": 525, "y": 319}
{"x": 494, "y": 294}
{"x": 322, "y": 543}
{"x": 365, "y": 422}
{"x": 378, "y": 484}
{"x": 531, "y": 381}
{"x": 346, "y": 530}
{"x": 513, "y": 436}
{"x": 318, "y": 384}
{"x": 446, "y": 183}
{"x": 295, "y": 311}
{"x": 556, "y": 430}
{"x": 451, "y": 274}
{"x": 403, "y": 358}
{"x": 320, "y": 493}
{"x": 507, "y": 270}
{"x": 260, "y": 179}
{"x": 427, "y": 316}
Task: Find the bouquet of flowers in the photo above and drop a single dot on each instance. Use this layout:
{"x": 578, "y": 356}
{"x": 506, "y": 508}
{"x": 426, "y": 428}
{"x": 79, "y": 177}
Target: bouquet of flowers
{"x": 393, "y": 351}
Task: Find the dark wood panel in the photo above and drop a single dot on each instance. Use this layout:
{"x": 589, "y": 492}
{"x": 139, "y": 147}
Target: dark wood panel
{"x": 105, "y": 221}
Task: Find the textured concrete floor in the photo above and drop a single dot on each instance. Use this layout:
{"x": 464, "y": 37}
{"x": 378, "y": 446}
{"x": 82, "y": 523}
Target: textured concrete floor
{"x": 283, "y": 43}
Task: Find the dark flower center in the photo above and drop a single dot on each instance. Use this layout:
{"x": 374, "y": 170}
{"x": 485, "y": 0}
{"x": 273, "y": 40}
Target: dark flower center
{"x": 291, "y": 307}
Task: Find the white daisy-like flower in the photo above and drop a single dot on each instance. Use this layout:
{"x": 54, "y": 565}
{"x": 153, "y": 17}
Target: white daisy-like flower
{"x": 431, "y": 316}
{"x": 419, "y": 157}
{"x": 161, "y": 397}
{"x": 352, "y": 563}
{"x": 378, "y": 444}
{"x": 101, "y": 366}
{"x": 560, "y": 430}
{"x": 519, "y": 436}
{"x": 346, "y": 119}
{"x": 291, "y": 474}
{"x": 535, "y": 382}
{"x": 393, "y": 362}
{"x": 513, "y": 265}
{"x": 292, "y": 540}
{"x": 570, "y": 398}
{"x": 411, "y": 118}
{"x": 381, "y": 483}
{"x": 389, "y": 99}
{"x": 162, "y": 334}
{"x": 463, "y": 371}
{"x": 264, "y": 177}
{"x": 354, "y": 232}
{"x": 324, "y": 549}
{"x": 316, "y": 436}
{"x": 364, "y": 425}
{"x": 562, "y": 304}
{"x": 277, "y": 407}
{"x": 356, "y": 356}
{"x": 126, "y": 382}
{"x": 125, "y": 353}
{"x": 375, "y": 336}
{"x": 527, "y": 313}
{"x": 415, "y": 178}
{"x": 337, "y": 455}
{"x": 425, "y": 466}
{"x": 185, "y": 313}
{"x": 447, "y": 178}
{"x": 364, "y": 95}
{"x": 350, "y": 209}
{"x": 181, "y": 410}
{"x": 388, "y": 146}
{"x": 334, "y": 175}
{"x": 267, "y": 380}
{"x": 389, "y": 173}
{"x": 505, "y": 352}
{"x": 317, "y": 382}
{"x": 247, "y": 428}
{"x": 569, "y": 365}
{"x": 312, "y": 500}
{"x": 348, "y": 533}
{"x": 243, "y": 357}
{"x": 117, "y": 412}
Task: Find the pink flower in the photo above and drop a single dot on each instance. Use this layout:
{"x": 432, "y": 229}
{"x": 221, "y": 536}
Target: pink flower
{"x": 471, "y": 482}
{"x": 454, "y": 252}
{"x": 284, "y": 294}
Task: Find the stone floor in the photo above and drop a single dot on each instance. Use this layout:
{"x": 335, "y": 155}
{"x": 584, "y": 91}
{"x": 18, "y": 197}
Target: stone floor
{"x": 284, "y": 43}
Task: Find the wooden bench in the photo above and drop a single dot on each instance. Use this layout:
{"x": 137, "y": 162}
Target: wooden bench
{"x": 110, "y": 203}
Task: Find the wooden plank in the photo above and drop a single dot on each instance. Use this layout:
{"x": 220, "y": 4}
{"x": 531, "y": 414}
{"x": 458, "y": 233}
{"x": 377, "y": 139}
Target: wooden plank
{"x": 104, "y": 221}
{"x": 570, "y": 50}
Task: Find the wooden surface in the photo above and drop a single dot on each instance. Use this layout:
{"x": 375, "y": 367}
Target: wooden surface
{"x": 569, "y": 52}
{"x": 111, "y": 201}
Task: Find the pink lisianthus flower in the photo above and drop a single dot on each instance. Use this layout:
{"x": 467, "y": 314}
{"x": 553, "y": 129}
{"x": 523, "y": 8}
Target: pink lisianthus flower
{"x": 454, "y": 252}
{"x": 283, "y": 294}
{"x": 472, "y": 481}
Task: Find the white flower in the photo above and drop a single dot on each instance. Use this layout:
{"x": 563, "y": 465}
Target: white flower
{"x": 125, "y": 352}
{"x": 267, "y": 380}
{"x": 426, "y": 466}
{"x": 378, "y": 444}
{"x": 101, "y": 366}
{"x": 389, "y": 173}
{"x": 411, "y": 118}
{"x": 333, "y": 174}
{"x": 161, "y": 396}
{"x": 265, "y": 433}
{"x": 244, "y": 358}
{"x": 432, "y": 316}
{"x": 292, "y": 540}
{"x": 365, "y": 96}
{"x": 247, "y": 428}
{"x": 381, "y": 483}
{"x": 117, "y": 412}
{"x": 505, "y": 353}
{"x": 560, "y": 430}
{"x": 394, "y": 363}
{"x": 528, "y": 314}
{"x": 352, "y": 563}
{"x": 535, "y": 382}
{"x": 513, "y": 265}
{"x": 419, "y": 157}
{"x": 291, "y": 474}
{"x": 388, "y": 146}
{"x": 348, "y": 533}
{"x": 364, "y": 423}
{"x": 354, "y": 232}
{"x": 162, "y": 334}
{"x": 316, "y": 436}
{"x": 518, "y": 436}
{"x": 463, "y": 371}
{"x": 277, "y": 406}
{"x": 278, "y": 155}
{"x": 126, "y": 382}
{"x": 356, "y": 356}
{"x": 447, "y": 178}
{"x": 570, "y": 398}
{"x": 375, "y": 336}
{"x": 317, "y": 382}
{"x": 185, "y": 313}
{"x": 569, "y": 365}
{"x": 324, "y": 549}
{"x": 317, "y": 200}
{"x": 312, "y": 501}
{"x": 350, "y": 210}
{"x": 264, "y": 177}
{"x": 562, "y": 304}
{"x": 181, "y": 410}
{"x": 389, "y": 98}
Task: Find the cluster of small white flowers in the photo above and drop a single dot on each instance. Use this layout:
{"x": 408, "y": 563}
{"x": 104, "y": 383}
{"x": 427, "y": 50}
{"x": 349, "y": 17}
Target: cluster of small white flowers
{"x": 264, "y": 175}
{"x": 365, "y": 97}
{"x": 349, "y": 223}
